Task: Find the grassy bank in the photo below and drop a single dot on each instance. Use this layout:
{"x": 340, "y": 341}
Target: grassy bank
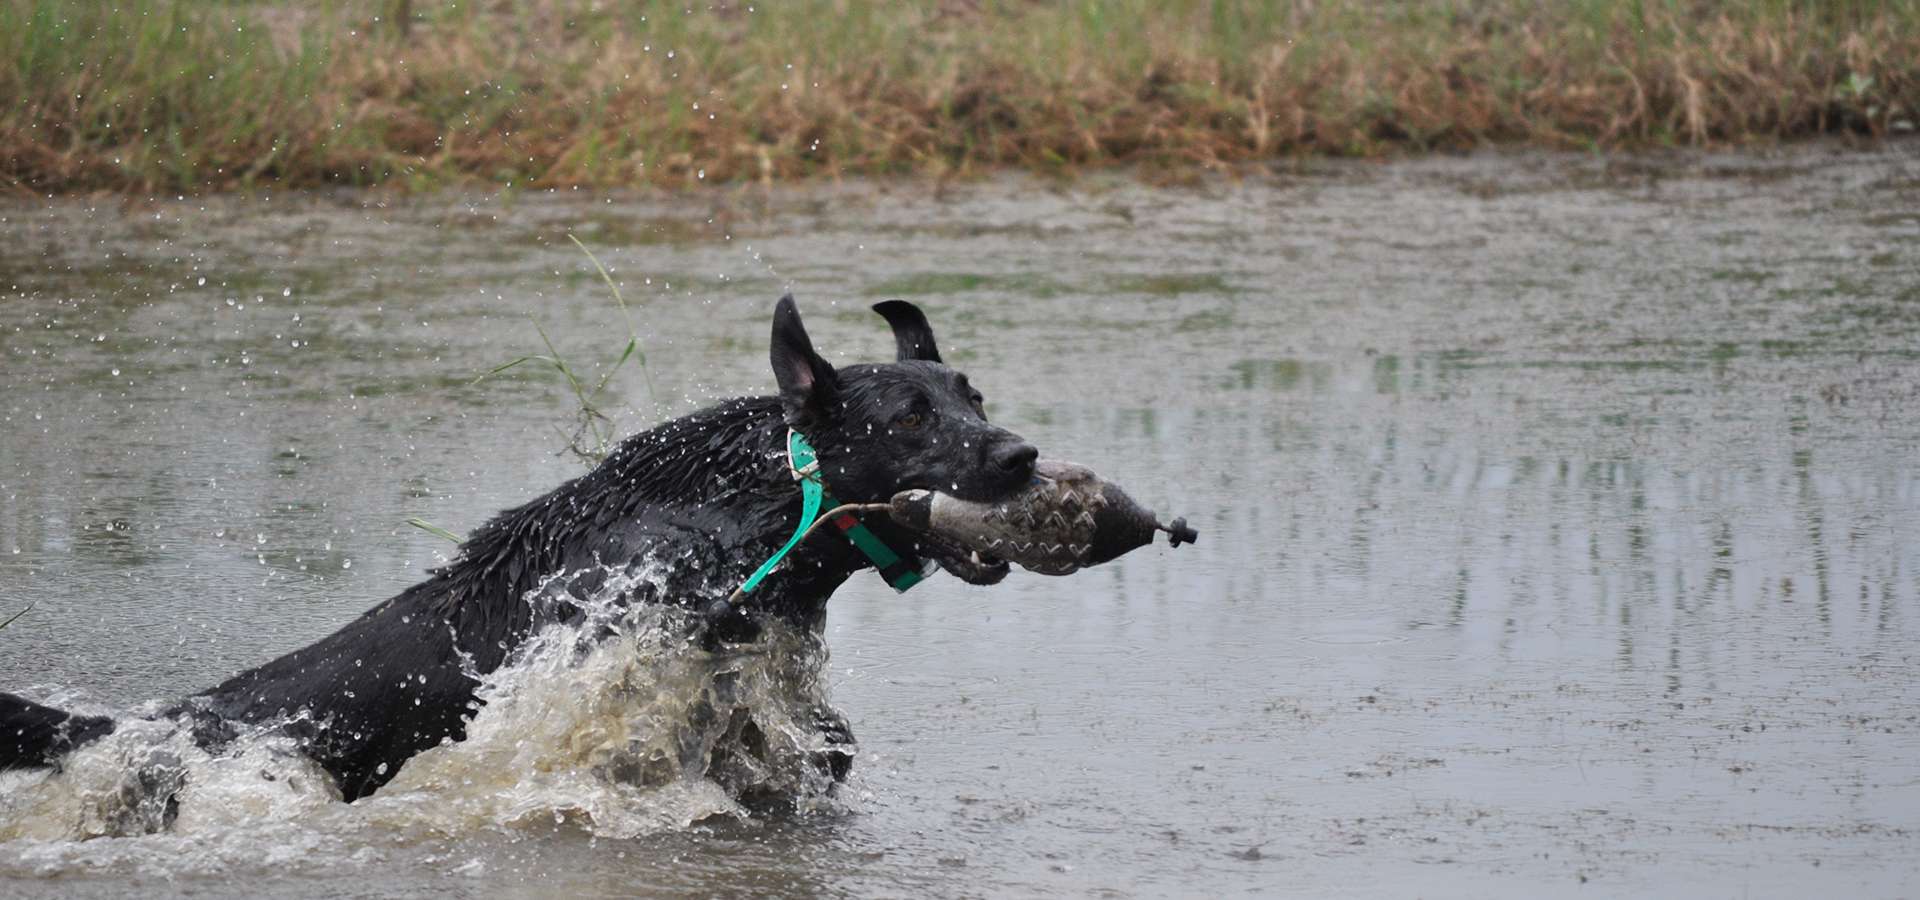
{"x": 170, "y": 95}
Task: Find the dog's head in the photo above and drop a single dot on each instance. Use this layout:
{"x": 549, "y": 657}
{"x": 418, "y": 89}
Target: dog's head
{"x": 912, "y": 423}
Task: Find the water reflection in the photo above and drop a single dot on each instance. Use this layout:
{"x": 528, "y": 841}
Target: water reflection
{"x": 1458, "y": 491}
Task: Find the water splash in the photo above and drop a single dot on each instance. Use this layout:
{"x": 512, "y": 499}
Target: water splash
{"x": 617, "y": 724}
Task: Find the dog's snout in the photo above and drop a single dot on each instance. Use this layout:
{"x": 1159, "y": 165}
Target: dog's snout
{"x": 1016, "y": 457}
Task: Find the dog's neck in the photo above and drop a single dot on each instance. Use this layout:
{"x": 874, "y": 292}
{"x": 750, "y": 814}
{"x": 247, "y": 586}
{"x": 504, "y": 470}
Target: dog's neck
{"x": 721, "y": 472}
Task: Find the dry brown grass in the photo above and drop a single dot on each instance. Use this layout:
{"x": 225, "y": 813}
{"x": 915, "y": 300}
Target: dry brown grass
{"x": 178, "y": 97}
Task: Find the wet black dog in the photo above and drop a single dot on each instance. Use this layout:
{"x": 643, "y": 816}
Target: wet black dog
{"x": 711, "y": 494}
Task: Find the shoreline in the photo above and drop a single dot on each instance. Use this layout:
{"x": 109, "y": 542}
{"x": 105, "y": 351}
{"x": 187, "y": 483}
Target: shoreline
{"x": 1493, "y": 171}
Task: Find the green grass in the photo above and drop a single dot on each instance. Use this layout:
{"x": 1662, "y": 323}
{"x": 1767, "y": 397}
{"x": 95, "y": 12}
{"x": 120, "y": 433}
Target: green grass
{"x": 178, "y": 96}
{"x": 595, "y": 431}
{"x": 16, "y": 616}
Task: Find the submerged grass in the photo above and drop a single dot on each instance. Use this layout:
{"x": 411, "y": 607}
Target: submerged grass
{"x": 170, "y": 95}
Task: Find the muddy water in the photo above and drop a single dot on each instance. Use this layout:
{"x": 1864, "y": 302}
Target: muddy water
{"x": 1560, "y": 523}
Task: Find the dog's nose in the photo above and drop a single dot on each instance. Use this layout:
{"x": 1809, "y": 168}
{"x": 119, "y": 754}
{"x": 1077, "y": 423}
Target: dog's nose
{"x": 1017, "y": 456}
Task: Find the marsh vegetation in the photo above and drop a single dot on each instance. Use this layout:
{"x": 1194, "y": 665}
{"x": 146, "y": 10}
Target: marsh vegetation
{"x": 170, "y": 96}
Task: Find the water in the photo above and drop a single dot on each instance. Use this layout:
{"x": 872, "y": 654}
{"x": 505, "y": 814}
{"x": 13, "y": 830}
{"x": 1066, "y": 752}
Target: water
{"x": 1559, "y": 527}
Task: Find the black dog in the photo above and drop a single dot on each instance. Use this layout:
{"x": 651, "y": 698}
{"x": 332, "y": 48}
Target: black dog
{"x": 711, "y": 493}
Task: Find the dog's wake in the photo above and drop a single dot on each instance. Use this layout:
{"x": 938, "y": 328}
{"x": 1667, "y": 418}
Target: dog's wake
{"x": 616, "y": 723}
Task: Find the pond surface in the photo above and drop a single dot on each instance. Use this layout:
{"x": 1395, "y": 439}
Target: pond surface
{"x": 1560, "y": 516}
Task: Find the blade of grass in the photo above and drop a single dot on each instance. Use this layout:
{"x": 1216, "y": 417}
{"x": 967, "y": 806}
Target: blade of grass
{"x": 633, "y": 337}
{"x": 508, "y": 365}
{"x": 10, "y": 619}
{"x": 559, "y": 362}
{"x": 433, "y": 529}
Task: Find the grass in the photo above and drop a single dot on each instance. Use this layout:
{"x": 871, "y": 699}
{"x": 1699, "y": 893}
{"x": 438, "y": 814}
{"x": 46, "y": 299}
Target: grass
{"x": 16, "y": 616}
{"x": 179, "y": 96}
{"x": 594, "y": 432}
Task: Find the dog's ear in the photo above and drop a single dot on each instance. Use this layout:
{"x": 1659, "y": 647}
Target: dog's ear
{"x": 807, "y": 382}
{"x": 911, "y": 333}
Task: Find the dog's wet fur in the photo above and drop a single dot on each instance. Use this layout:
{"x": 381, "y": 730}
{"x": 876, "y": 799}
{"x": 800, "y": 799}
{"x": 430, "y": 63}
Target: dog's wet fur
{"x": 706, "y": 498}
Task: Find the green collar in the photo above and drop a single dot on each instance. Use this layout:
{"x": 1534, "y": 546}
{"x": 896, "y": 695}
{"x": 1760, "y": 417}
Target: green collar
{"x": 805, "y": 464}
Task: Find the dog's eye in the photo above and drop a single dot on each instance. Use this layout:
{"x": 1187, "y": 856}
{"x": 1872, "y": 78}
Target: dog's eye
{"x": 910, "y": 421}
